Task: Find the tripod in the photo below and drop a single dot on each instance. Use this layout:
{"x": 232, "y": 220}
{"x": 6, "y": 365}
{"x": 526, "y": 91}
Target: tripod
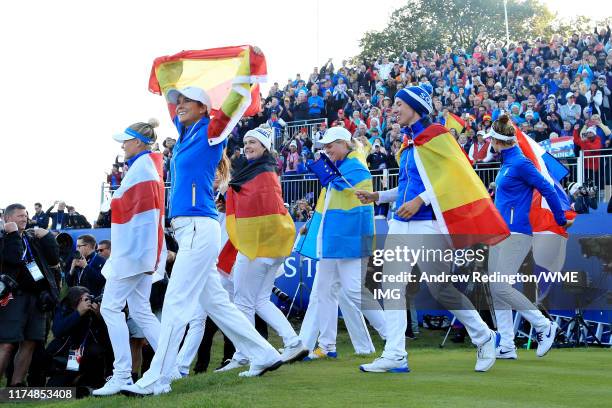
{"x": 578, "y": 330}
{"x": 487, "y": 298}
{"x": 300, "y": 287}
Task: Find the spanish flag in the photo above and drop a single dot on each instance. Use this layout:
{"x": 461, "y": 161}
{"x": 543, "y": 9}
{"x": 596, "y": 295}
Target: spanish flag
{"x": 459, "y": 199}
{"x": 229, "y": 75}
{"x": 257, "y": 222}
{"x": 453, "y": 121}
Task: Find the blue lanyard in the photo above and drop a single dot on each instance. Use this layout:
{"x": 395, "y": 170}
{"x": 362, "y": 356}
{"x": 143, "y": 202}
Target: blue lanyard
{"x": 28, "y": 250}
{"x": 92, "y": 259}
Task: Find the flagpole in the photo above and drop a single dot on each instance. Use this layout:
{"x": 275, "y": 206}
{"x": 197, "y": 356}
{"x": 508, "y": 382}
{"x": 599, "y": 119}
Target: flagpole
{"x": 506, "y": 18}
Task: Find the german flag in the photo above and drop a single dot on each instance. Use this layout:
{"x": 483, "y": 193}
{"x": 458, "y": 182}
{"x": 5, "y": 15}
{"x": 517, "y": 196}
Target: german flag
{"x": 258, "y": 223}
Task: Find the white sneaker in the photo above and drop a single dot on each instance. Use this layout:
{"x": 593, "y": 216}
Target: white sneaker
{"x": 503, "y": 353}
{"x": 136, "y": 390}
{"x": 386, "y": 365}
{"x": 233, "y": 364}
{"x": 178, "y": 374}
{"x": 259, "y": 370}
{"x": 112, "y": 386}
{"x": 293, "y": 353}
{"x": 546, "y": 339}
{"x": 485, "y": 355}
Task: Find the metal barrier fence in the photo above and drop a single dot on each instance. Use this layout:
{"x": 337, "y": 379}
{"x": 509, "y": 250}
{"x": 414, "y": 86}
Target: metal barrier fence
{"x": 594, "y": 166}
{"x": 293, "y": 128}
{"x": 596, "y": 170}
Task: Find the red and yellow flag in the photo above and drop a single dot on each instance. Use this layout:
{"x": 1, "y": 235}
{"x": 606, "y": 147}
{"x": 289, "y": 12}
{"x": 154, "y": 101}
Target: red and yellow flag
{"x": 453, "y": 121}
{"x": 459, "y": 199}
{"x": 229, "y": 75}
{"x": 257, "y": 222}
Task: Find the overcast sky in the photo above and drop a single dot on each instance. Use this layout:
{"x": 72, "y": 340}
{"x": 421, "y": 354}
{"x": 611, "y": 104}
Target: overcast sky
{"x": 75, "y": 72}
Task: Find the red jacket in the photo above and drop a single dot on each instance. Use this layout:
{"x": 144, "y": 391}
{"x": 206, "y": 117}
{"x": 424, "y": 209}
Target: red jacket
{"x": 585, "y": 145}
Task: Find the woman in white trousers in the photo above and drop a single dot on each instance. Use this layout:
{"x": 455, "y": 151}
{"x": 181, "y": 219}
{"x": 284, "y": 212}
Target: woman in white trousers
{"x": 262, "y": 231}
{"x": 195, "y": 281}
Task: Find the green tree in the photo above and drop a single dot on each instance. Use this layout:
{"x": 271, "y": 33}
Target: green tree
{"x": 437, "y": 24}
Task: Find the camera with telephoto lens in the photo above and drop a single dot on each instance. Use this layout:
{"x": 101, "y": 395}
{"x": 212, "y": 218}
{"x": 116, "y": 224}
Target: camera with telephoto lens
{"x": 588, "y": 188}
{"x": 7, "y": 285}
{"x": 95, "y": 299}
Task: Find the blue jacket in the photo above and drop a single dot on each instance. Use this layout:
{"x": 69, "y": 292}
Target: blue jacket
{"x": 515, "y": 183}
{"x": 410, "y": 184}
{"x": 319, "y": 102}
{"x": 193, "y": 167}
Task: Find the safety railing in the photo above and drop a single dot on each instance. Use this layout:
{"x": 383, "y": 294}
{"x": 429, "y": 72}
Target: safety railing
{"x": 589, "y": 168}
{"x": 291, "y": 129}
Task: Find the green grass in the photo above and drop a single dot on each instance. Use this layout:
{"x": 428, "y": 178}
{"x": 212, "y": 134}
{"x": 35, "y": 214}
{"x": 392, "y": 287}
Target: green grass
{"x": 439, "y": 378}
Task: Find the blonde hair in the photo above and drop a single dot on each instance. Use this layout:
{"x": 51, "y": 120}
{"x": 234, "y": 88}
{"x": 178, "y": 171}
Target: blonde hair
{"x": 222, "y": 174}
{"x": 504, "y": 127}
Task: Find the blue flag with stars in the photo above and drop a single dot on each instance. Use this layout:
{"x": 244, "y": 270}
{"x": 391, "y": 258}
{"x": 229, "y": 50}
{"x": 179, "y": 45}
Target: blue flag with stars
{"x": 324, "y": 169}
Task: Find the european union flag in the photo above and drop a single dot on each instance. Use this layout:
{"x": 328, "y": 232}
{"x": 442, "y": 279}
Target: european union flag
{"x": 324, "y": 169}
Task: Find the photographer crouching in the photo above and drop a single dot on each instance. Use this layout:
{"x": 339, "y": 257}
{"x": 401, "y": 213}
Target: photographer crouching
{"x": 28, "y": 289}
{"x": 584, "y": 197}
{"x": 80, "y": 352}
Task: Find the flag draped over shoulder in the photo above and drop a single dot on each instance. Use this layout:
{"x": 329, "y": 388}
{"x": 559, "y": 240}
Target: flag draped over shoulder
{"x": 453, "y": 121}
{"x": 540, "y": 215}
{"x": 341, "y": 226}
{"x": 137, "y": 220}
{"x": 229, "y": 75}
{"x": 459, "y": 199}
{"x": 257, "y": 221}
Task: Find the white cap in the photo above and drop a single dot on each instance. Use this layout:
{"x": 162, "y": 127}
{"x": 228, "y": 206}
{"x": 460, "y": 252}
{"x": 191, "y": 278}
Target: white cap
{"x": 567, "y": 95}
{"x": 572, "y": 188}
{"x": 592, "y": 129}
{"x": 262, "y": 134}
{"x": 335, "y": 133}
{"x": 191, "y": 92}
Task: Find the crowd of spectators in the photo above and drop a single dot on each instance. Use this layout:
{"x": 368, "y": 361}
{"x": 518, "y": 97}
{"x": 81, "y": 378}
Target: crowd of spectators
{"x": 551, "y": 88}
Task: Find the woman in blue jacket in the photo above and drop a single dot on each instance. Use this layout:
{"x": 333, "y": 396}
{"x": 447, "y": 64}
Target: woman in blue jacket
{"x": 195, "y": 280}
{"x": 515, "y": 182}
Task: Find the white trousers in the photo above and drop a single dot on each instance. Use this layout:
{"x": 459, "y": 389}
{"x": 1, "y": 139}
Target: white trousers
{"x": 195, "y": 281}
{"x": 135, "y": 290}
{"x": 195, "y": 333}
{"x": 506, "y": 258}
{"x": 416, "y": 235}
{"x": 345, "y": 274}
{"x": 253, "y": 282}
{"x": 353, "y": 319}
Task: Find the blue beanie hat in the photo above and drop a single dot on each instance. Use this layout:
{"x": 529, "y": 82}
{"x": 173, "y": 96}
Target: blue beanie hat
{"x": 418, "y": 98}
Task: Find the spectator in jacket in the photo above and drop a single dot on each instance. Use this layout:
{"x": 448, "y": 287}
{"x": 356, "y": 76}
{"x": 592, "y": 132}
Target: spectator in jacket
{"x": 86, "y": 268}
{"x": 571, "y": 111}
{"x": 40, "y": 218}
{"x": 59, "y": 219}
{"x": 300, "y": 107}
{"x": 316, "y": 104}
{"x": 26, "y": 257}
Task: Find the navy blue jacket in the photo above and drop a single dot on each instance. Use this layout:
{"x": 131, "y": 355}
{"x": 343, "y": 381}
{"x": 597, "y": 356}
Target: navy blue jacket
{"x": 514, "y": 191}
{"x": 90, "y": 276}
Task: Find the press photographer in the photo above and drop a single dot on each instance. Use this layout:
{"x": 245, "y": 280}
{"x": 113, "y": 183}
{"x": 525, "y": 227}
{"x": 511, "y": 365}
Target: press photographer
{"x": 583, "y": 197}
{"x": 80, "y": 353}
{"x": 86, "y": 267}
{"x": 28, "y": 289}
